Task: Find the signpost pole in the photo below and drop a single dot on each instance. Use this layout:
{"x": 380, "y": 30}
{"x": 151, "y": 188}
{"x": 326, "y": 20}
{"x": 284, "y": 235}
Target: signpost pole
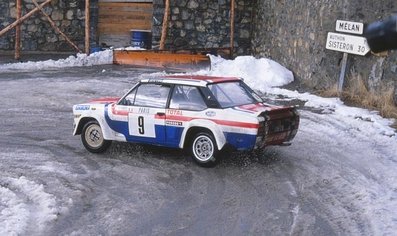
{"x": 342, "y": 73}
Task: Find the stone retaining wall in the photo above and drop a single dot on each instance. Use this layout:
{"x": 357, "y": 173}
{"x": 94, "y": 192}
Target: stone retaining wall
{"x": 204, "y": 24}
{"x": 36, "y": 32}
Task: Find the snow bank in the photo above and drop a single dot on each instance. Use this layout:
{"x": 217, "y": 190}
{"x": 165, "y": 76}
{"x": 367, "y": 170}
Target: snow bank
{"x": 336, "y": 107}
{"x": 81, "y": 59}
{"x": 260, "y": 74}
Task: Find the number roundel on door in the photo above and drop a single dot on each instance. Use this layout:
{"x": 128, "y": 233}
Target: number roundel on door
{"x": 142, "y": 125}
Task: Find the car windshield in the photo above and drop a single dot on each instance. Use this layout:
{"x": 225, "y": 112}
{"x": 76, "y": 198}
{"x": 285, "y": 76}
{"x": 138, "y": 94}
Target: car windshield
{"x": 232, "y": 94}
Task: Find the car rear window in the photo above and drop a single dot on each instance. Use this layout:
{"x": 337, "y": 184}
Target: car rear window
{"x": 231, "y": 94}
{"x": 187, "y": 98}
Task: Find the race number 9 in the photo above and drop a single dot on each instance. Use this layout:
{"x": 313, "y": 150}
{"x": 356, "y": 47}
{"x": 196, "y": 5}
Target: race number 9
{"x": 141, "y": 125}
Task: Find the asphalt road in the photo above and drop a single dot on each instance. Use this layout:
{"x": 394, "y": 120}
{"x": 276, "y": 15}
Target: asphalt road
{"x": 314, "y": 187}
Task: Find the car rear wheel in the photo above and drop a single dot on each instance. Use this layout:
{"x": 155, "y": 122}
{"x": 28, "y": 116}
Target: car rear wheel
{"x": 204, "y": 150}
{"x": 92, "y": 138}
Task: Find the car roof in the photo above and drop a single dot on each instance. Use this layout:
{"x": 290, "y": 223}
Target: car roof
{"x": 197, "y": 80}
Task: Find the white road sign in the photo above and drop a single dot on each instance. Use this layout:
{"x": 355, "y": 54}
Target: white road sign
{"x": 349, "y": 27}
{"x": 347, "y": 43}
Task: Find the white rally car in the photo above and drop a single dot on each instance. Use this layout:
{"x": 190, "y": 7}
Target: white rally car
{"x": 201, "y": 113}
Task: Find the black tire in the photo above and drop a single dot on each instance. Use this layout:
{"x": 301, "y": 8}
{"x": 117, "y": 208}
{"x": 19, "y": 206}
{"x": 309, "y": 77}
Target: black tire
{"x": 204, "y": 150}
{"x": 92, "y": 138}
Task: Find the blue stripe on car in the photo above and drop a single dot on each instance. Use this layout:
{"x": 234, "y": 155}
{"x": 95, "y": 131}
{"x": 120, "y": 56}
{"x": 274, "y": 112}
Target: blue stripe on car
{"x": 173, "y": 133}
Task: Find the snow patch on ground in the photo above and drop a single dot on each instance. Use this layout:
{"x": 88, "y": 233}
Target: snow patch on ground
{"x": 335, "y": 107}
{"x": 24, "y": 204}
{"x": 81, "y": 59}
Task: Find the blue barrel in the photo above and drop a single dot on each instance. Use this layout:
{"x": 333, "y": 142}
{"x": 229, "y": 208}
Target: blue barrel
{"x": 94, "y": 49}
{"x": 141, "y": 38}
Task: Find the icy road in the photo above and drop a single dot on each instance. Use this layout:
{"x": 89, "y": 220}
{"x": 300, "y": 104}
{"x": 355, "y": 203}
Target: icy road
{"x": 339, "y": 177}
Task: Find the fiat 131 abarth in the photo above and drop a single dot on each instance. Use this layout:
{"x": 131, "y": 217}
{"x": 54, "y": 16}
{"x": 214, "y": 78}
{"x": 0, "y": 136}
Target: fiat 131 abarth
{"x": 203, "y": 114}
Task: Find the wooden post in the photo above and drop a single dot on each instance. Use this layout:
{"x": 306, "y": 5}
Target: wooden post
{"x": 342, "y": 74}
{"x": 232, "y": 7}
{"x": 23, "y": 18}
{"x": 87, "y": 27}
{"x": 52, "y": 23}
{"x": 18, "y": 31}
{"x": 165, "y": 24}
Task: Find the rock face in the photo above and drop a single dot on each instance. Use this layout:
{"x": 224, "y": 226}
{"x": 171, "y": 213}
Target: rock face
{"x": 204, "y": 24}
{"x": 38, "y": 35}
{"x": 294, "y": 33}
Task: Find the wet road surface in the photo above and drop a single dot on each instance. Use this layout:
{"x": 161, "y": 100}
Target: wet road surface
{"x": 51, "y": 185}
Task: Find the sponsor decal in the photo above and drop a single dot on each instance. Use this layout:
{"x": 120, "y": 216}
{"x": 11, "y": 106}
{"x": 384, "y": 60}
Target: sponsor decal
{"x": 173, "y": 123}
{"x": 82, "y": 107}
{"x": 143, "y": 110}
{"x": 174, "y": 112}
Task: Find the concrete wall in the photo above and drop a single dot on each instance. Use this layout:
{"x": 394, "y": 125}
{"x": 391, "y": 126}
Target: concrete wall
{"x": 38, "y": 35}
{"x": 204, "y": 24}
{"x": 294, "y": 33}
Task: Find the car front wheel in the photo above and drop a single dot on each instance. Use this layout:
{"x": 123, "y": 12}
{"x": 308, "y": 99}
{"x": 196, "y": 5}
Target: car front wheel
{"x": 204, "y": 150}
{"x": 92, "y": 138}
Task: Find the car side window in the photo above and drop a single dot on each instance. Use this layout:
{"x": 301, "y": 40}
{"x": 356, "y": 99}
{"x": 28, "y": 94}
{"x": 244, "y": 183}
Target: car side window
{"x": 129, "y": 99}
{"x": 152, "y": 95}
{"x": 147, "y": 95}
{"x": 187, "y": 98}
